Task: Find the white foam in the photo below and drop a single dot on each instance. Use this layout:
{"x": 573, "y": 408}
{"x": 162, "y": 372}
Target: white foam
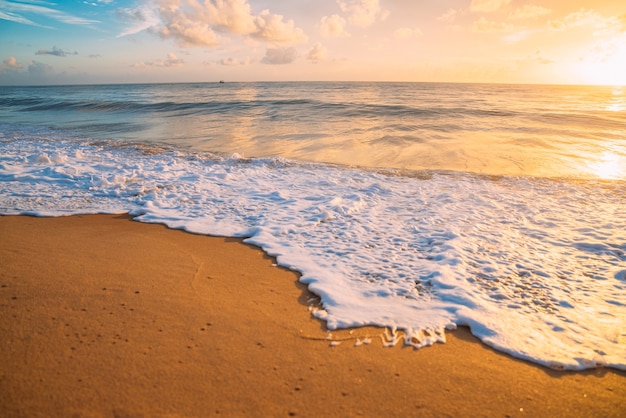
{"x": 535, "y": 267}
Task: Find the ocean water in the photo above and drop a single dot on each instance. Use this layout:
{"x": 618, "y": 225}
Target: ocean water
{"x": 417, "y": 207}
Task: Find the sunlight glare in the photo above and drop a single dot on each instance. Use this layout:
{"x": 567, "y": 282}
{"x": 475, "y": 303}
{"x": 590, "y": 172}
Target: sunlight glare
{"x": 618, "y": 102}
{"x": 609, "y": 166}
{"x": 606, "y": 63}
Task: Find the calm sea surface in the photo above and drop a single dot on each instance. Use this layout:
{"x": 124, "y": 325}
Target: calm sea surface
{"x": 419, "y": 207}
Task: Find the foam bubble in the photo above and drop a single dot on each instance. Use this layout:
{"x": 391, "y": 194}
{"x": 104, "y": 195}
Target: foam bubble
{"x": 533, "y": 266}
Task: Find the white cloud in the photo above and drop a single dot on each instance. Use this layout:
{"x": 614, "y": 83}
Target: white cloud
{"x": 185, "y": 30}
{"x": 529, "y": 11}
{"x": 232, "y": 16}
{"x": 173, "y": 61}
{"x": 604, "y": 51}
{"x": 486, "y": 6}
{"x": 588, "y": 19}
{"x": 483, "y": 25}
{"x": 280, "y": 55}
{"x": 518, "y": 36}
{"x": 236, "y": 17}
{"x": 16, "y": 12}
{"x": 139, "y": 19}
{"x": 272, "y": 28}
{"x": 363, "y": 13}
{"x": 196, "y": 23}
{"x": 317, "y": 53}
{"x": 613, "y": 25}
{"x": 333, "y": 26}
{"x": 13, "y": 17}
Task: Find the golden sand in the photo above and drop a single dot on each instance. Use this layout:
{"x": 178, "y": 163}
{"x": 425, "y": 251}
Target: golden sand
{"x": 104, "y": 316}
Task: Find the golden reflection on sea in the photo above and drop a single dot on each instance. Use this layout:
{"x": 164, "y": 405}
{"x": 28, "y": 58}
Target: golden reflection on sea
{"x": 618, "y": 102}
{"x": 608, "y": 166}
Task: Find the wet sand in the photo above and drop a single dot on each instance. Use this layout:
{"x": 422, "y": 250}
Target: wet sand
{"x": 104, "y": 316}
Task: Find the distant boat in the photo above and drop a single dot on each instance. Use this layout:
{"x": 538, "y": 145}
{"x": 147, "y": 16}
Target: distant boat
{"x": 221, "y": 81}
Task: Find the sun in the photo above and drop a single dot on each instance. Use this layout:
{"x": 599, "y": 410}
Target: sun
{"x": 605, "y": 63}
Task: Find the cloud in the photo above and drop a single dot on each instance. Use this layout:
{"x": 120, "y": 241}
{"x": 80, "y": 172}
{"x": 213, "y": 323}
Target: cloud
{"x": 17, "y": 12}
{"x": 518, "y": 36}
{"x": 171, "y": 61}
{"x": 449, "y": 16}
{"x": 486, "y": 6}
{"x": 272, "y": 28}
{"x": 232, "y": 16}
{"x": 57, "y": 52}
{"x": 317, "y": 53}
{"x": 363, "y": 13}
{"x": 186, "y": 30}
{"x": 12, "y": 72}
{"x": 98, "y": 2}
{"x": 280, "y": 56}
{"x": 589, "y": 19}
{"x": 37, "y": 73}
{"x": 529, "y": 11}
{"x": 40, "y": 71}
{"x": 622, "y": 22}
{"x": 607, "y": 51}
{"x": 195, "y": 23}
{"x": 616, "y": 24}
{"x": 483, "y": 25}
{"x": 233, "y": 62}
{"x": 333, "y": 26}
{"x": 407, "y": 33}
{"x": 236, "y": 17}
{"x": 12, "y": 17}
{"x": 139, "y": 19}
{"x": 11, "y": 63}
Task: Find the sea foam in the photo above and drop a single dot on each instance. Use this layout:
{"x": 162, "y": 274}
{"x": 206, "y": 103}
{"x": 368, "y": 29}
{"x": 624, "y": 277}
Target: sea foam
{"x": 535, "y": 267}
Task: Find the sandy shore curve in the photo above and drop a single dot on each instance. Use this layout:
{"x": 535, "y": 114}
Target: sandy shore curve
{"x": 102, "y": 316}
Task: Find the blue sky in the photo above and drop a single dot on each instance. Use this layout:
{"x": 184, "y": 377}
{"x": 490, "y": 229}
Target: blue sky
{"x": 509, "y": 41}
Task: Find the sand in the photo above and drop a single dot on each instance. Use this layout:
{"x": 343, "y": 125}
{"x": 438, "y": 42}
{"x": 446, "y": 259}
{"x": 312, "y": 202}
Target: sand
{"x": 104, "y": 316}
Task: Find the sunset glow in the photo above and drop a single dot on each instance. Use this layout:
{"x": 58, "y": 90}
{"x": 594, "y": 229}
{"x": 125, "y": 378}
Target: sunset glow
{"x": 609, "y": 166}
{"x": 502, "y": 41}
{"x": 606, "y": 63}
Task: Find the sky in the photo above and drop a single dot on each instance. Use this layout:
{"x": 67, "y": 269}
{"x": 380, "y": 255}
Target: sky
{"x": 484, "y": 41}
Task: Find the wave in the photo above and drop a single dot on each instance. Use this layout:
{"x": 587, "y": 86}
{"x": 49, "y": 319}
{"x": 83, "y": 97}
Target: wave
{"x": 512, "y": 130}
{"x": 302, "y": 106}
{"x": 531, "y": 265}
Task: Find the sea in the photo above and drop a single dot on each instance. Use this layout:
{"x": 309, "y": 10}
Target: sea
{"x": 419, "y": 207}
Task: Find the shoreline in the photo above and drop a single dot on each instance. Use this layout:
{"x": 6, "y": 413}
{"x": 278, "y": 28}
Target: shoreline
{"x": 105, "y": 316}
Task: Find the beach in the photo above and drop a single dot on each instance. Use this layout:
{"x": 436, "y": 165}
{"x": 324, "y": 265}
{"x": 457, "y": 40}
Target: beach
{"x": 104, "y": 316}
{"x": 393, "y": 212}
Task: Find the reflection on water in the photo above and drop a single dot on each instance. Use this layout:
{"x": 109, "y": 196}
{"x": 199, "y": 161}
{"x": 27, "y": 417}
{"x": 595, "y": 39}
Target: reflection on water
{"x": 546, "y": 131}
{"x": 618, "y": 102}
{"x": 609, "y": 160}
{"x": 609, "y": 166}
